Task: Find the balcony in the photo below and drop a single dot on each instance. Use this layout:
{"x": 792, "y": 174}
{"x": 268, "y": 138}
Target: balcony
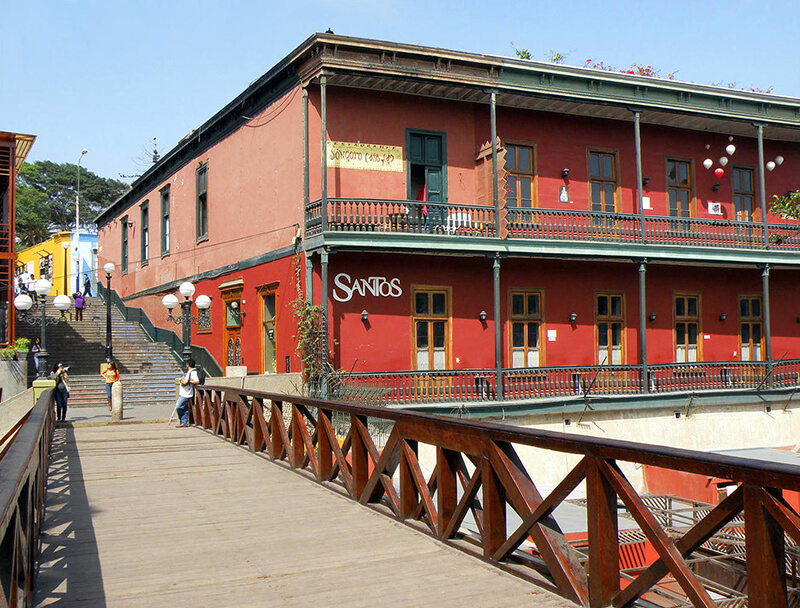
{"x": 415, "y": 217}
{"x": 525, "y": 384}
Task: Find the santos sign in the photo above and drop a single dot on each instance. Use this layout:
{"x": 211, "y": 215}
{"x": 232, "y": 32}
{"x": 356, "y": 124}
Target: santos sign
{"x": 376, "y": 286}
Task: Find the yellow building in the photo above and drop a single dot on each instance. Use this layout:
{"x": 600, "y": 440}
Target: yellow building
{"x": 49, "y": 260}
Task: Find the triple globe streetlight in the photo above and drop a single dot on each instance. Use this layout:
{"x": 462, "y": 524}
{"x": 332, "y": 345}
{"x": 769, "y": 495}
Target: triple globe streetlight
{"x": 170, "y": 301}
{"x": 24, "y": 303}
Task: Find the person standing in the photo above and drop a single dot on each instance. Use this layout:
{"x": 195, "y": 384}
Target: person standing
{"x": 80, "y": 304}
{"x": 62, "y": 390}
{"x": 87, "y": 286}
{"x": 186, "y": 393}
{"x": 36, "y": 348}
{"x": 110, "y": 375}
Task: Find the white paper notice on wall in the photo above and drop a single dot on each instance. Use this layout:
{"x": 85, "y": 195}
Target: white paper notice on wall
{"x": 706, "y": 336}
{"x": 551, "y": 335}
{"x": 646, "y": 202}
{"x": 714, "y": 208}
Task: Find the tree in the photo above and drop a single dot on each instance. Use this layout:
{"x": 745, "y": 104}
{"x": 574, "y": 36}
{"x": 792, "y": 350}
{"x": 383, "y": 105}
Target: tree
{"x": 788, "y": 206}
{"x": 46, "y": 199}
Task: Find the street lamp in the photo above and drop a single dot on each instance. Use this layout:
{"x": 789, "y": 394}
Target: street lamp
{"x": 23, "y": 303}
{"x": 109, "y": 268}
{"x": 170, "y": 301}
{"x": 78, "y": 225}
{"x": 65, "y": 246}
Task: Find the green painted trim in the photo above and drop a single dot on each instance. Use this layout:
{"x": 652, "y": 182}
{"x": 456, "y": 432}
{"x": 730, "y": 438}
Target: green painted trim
{"x": 460, "y": 245}
{"x": 270, "y": 256}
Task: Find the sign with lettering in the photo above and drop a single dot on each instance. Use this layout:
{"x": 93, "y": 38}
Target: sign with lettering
{"x": 373, "y": 157}
{"x": 344, "y": 287}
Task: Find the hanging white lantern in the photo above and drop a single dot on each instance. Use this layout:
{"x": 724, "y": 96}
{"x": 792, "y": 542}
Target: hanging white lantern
{"x": 730, "y": 149}
{"x": 723, "y": 161}
{"x": 770, "y": 165}
{"x": 779, "y": 160}
{"x": 707, "y": 163}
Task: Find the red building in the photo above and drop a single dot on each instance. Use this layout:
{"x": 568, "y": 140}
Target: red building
{"x": 464, "y": 218}
{"x": 14, "y": 148}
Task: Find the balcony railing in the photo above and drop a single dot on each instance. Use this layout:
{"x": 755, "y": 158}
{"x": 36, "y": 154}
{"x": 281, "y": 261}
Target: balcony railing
{"x": 480, "y": 385}
{"x": 394, "y": 216}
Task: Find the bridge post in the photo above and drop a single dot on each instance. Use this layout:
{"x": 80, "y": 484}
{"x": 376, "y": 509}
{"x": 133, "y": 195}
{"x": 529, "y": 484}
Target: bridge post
{"x": 446, "y": 492}
{"x": 494, "y": 510}
{"x": 409, "y": 497}
{"x": 325, "y": 450}
{"x": 359, "y": 452}
{"x": 602, "y": 525}
{"x": 766, "y": 555}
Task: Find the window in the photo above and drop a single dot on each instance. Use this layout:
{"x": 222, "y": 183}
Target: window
{"x": 610, "y": 322}
{"x": 165, "y": 220}
{"x": 145, "y": 244}
{"x": 431, "y": 321}
{"x": 46, "y": 266}
{"x": 204, "y": 320}
{"x": 202, "y": 202}
{"x": 679, "y": 188}
{"x": 687, "y": 327}
{"x": 123, "y": 263}
{"x": 603, "y": 181}
{"x": 520, "y": 177}
{"x": 750, "y": 327}
{"x": 743, "y": 194}
{"x": 526, "y": 328}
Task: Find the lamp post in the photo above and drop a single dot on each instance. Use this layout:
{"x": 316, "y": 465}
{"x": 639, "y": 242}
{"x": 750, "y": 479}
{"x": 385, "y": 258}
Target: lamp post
{"x": 65, "y": 246}
{"x": 23, "y": 303}
{"x": 109, "y": 268}
{"x": 186, "y": 319}
{"x": 78, "y": 226}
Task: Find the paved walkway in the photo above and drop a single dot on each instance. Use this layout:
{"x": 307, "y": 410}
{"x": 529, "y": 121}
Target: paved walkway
{"x": 152, "y": 515}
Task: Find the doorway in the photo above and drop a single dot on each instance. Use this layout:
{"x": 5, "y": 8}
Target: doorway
{"x": 268, "y": 324}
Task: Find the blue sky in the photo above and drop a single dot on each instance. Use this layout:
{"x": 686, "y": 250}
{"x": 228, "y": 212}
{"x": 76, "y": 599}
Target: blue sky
{"x": 110, "y": 76}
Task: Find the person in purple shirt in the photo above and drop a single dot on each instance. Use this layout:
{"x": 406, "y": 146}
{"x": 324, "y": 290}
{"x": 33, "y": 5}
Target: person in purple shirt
{"x": 80, "y": 304}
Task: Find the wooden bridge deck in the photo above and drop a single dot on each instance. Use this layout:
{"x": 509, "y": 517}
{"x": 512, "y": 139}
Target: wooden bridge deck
{"x": 151, "y": 515}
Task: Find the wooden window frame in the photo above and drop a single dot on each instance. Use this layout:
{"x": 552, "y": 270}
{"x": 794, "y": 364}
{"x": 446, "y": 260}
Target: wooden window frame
{"x": 124, "y": 245}
{"x": 534, "y": 174}
{"x": 750, "y": 319}
{"x": 608, "y": 318}
{"x": 201, "y": 202}
{"x": 144, "y": 233}
{"x": 691, "y": 188}
{"x": 754, "y": 192}
{"x": 443, "y": 134}
{"x": 617, "y": 174}
{"x": 165, "y": 220}
{"x": 687, "y": 319}
{"x": 448, "y": 317}
{"x": 526, "y": 291}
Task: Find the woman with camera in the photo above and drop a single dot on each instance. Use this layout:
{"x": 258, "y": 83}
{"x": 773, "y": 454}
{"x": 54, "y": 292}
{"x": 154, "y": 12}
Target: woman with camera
{"x": 62, "y": 390}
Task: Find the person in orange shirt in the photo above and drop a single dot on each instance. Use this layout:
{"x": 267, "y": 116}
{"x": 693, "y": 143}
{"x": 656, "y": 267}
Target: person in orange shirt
{"x": 111, "y": 375}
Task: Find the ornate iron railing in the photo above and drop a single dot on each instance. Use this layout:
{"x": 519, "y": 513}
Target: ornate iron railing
{"x": 467, "y": 385}
{"x": 23, "y": 479}
{"x": 397, "y": 216}
{"x": 476, "y": 470}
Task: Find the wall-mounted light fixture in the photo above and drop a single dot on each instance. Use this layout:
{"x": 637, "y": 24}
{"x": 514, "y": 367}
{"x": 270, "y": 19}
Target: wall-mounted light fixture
{"x": 364, "y": 316}
{"x": 482, "y": 316}
{"x": 715, "y": 187}
{"x": 652, "y": 317}
{"x": 722, "y": 317}
{"x": 572, "y": 317}
{"x": 130, "y": 224}
{"x": 565, "y": 172}
{"x": 798, "y": 319}
{"x": 645, "y": 181}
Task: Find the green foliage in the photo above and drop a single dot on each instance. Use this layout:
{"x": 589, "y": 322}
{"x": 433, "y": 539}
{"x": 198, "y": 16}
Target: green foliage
{"x": 10, "y": 352}
{"x": 46, "y": 199}
{"x": 787, "y": 206}
{"x": 310, "y": 337}
{"x": 556, "y": 57}
{"x": 523, "y": 53}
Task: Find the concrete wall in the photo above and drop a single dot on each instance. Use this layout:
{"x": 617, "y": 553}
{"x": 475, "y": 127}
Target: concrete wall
{"x": 13, "y": 409}
{"x": 14, "y": 375}
{"x": 272, "y": 383}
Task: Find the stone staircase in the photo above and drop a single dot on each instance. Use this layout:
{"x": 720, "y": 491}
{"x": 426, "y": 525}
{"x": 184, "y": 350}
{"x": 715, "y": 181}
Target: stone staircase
{"x": 148, "y": 369}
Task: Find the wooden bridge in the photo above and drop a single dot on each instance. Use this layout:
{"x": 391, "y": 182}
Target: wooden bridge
{"x": 156, "y": 515}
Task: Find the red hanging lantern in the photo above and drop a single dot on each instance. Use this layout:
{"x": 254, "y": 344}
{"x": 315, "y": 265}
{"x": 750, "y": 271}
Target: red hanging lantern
{"x": 719, "y": 172}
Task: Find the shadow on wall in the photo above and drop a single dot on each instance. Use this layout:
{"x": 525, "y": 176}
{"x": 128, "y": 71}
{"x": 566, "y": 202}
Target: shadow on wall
{"x": 14, "y": 375}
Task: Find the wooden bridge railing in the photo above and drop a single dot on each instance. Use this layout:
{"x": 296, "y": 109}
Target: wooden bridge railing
{"x": 478, "y": 470}
{"x": 23, "y": 479}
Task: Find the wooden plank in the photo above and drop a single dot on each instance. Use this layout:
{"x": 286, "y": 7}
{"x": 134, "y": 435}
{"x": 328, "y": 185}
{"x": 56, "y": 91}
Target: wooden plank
{"x": 766, "y": 552}
{"x": 231, "y": 521}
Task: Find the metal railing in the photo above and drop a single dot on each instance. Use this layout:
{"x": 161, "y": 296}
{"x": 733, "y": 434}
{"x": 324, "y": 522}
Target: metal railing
{"x": 463, "y": 491}
{"x": 398, "y": 216}
{"x": 465, "y": 385}
{"x": 23, "y": 479}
